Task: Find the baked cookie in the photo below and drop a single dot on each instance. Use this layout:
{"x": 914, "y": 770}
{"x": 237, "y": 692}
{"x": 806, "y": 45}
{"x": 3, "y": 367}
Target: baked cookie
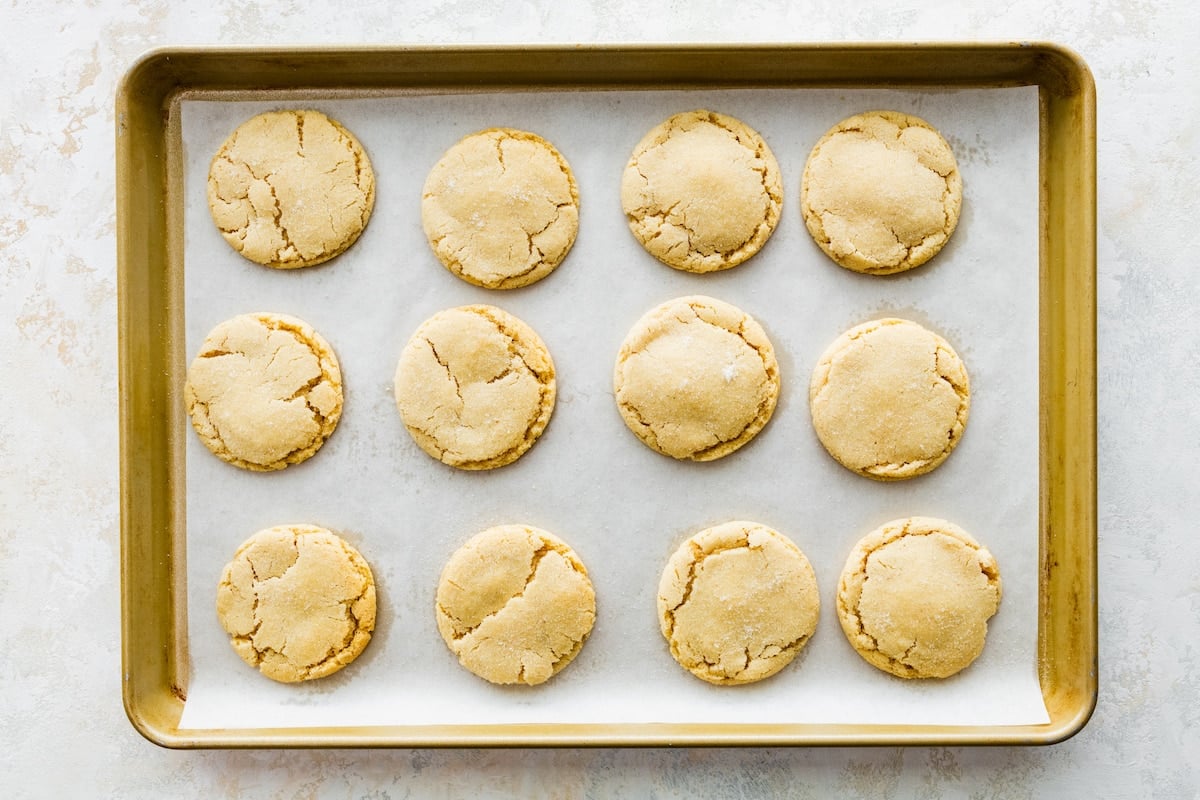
{"x": 291, "y": 189}
{"x": 702, "y": 191}
{"x": 889, "y": 399}
{"x": 696, "y": 378}
{"x": 881, "y": 192}
{"x": 915, "y": 597}
{"x": 515, "y": 604}
{"x": 264, "y": 392}
{"x": 737, "y": 602}
{"x": 475, "y": 387}
{"x": 298, "y": 602}
{"x": 500, "y": 208}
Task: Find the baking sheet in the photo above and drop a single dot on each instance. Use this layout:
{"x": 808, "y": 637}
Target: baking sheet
{"x": 621, "y": 506}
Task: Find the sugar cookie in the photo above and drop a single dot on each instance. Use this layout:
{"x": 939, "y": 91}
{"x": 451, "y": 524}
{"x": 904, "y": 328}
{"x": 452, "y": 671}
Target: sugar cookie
{"x": 889, "y": 399}
{"x": 298, "y": 602}
{"x": 737, "y": 602}
{"x": 702, "y": 191}
{"x": 881, "y": 192}
{"x": 696, "y": 378}
{"x": 915, "y": 597}
{"x": 475, "y": 387}
{"x": 264, "y": 392}
{"x": 515, "y": 604}
{"x": 501, "y": 208}
{"x": 291, "y": 189}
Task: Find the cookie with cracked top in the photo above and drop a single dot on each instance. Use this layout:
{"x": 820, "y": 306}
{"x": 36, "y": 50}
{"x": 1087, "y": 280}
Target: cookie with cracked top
{"x": 737, "y": 603}
{"x": 291, "y": 188}
{"x": 881, "y": 192}
{"x": 696, "y": 378}
{"x": 500, "y": 208}
{"x": 298, "y": 602}
{"x": 264, "y": 392}
{"x": 915, "y": 597}
{"x": 515, "y": 605}
{"x": 890, "y": 399}
{"x": 702, "y": 191}
{"x": 475, "y": 387}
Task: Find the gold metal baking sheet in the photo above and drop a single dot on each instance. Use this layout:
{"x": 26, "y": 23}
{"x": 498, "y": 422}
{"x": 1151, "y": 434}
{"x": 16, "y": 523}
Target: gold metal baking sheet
{"x": 150, "y": 277}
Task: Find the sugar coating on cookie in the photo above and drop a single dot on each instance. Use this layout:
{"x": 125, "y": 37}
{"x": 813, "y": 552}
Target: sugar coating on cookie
{"x": 702, "y": 191}
{"x": 515, "y": 604}
{"x": 264, "y": 392}
{"x": 501, "y": 208}
{"x": 889, "y": 399}
{"x": 291, "y": 189}
{"x": 915, "y": 597}
{"x": 475, "y": 387}
{"x": 881, "y": 192}
{"x": 298, "y": 602}
{"x": 737, "y": 603}
{"x": 696, "y": 378}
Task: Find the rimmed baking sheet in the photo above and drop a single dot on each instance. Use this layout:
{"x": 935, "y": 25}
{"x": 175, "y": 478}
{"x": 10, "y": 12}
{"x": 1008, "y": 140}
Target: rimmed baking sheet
{"x": 623, "y": 507}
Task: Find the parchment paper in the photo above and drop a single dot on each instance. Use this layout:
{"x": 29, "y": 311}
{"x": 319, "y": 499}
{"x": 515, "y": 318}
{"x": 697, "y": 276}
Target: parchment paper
{"x": 623, "y": 507}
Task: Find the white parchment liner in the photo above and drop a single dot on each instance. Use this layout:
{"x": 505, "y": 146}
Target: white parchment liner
{"x": 623, "y": 507}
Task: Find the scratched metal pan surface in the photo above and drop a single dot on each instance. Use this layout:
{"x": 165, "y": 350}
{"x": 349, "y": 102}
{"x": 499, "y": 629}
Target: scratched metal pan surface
{"x": 150, "y": 210}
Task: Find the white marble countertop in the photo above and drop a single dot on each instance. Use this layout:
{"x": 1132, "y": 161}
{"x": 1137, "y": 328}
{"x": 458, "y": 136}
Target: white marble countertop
{"x": 62, "y": 729}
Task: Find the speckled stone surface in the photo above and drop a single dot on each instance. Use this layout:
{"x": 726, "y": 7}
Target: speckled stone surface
{"x": 61, "y": 725}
